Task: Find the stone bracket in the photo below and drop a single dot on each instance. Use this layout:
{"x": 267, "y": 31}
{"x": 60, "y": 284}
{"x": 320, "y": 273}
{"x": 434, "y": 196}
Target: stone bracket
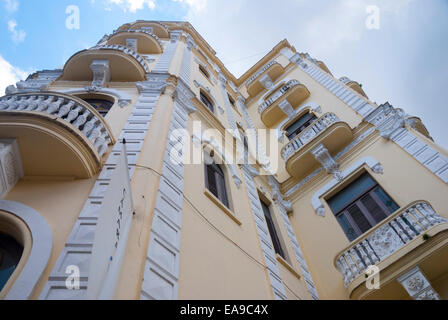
{"x": 101, "y": 72}
{"x": 417, "y": 285}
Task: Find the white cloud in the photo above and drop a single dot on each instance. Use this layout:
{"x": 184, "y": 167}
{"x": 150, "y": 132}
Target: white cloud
{"x": 11, "y": 5}
{"x": 134, "y": 5}
{"x": 17, "y": 36}
{"x": 402, "y": 62}
{"x": 197, "y": 5}
{"x": 9, "y": 75}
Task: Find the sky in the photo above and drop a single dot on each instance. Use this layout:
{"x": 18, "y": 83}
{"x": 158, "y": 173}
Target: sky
{"x": 397, "y": 49}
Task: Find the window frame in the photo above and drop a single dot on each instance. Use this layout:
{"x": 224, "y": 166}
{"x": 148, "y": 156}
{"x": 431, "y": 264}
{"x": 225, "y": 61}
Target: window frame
{"x": 220, "y": 184}
{"x": 356, "y": 201}
{"x": 272, "y": 229}
{"x": 204, "y": 71}
{"x": 208, "y": 101}
{"x": 291, "y": 136}
{"x": 102, "y": 113}
{"x": 98, "y": 96}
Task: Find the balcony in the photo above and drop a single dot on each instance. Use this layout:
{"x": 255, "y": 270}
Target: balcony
{"x": 264, "y": 78}
{"x": 318, "y": 63}
{"x": 390, "y": 241}
{"x": 157, "y": 28}
{"x": 123, "y": 64}
{"x": 327, "y": 130}
{"x": 58, "y": 134}
{"x": 146, "y": 42}
{"x": 282, "y": 103}
{"x": 354, "y": 85}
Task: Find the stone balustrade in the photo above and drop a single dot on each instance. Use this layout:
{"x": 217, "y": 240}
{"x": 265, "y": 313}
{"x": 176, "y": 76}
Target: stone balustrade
{"x": 77, "y": 114}
{"x": 125, "y": 50}
{"x": 139, "y": 31}
{"x": 345, "y": 80}
{"x": 308, "y": 134}
{"x": 261, "y": 71}
{"x": 387, "y": 238}
{"x": 278, "y": 94}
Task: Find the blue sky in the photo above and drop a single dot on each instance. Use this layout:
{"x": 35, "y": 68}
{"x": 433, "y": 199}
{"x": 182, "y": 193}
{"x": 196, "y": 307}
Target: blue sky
{"x": 403, "y": 62}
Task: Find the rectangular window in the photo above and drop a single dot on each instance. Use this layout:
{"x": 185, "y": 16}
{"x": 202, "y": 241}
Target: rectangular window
{"x": 205, "y": 100}
{"x": 300, "y": 125}
{"x": 216, "y": 183}
{"x": 361, "y": 206}
{"x": 272, "y": 231}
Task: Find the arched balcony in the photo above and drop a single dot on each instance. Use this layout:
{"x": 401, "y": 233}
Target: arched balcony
{"x": 327, "y": 130}
{"x": 145, "y": 41}
{"x": 354, "y": 85}
{"x": 282, "y": 102}
{"x": 264, "y": 78}
{"x": 117, "y": 64}
{"x": 58, "y": 134}
{"x": 157, "y": 28}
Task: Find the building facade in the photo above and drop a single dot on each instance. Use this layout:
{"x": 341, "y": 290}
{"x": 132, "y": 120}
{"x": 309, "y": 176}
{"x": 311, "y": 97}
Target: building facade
{"x": 287, "y": 183}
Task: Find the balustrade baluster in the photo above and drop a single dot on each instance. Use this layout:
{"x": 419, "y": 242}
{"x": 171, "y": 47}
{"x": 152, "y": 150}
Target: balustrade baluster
{"x": 344, "y": 270}
{"x": 352, "y": 264}
{"x": 364, "y": 257}
{"x": 428, "y": 213}
{"x": 413, "y": 221}
{"x": 372, "y": 255}
{"x": 420, "y": 218}
{"x": 35, "y": 104}
{"x": 44, "y": 104}
{"x": 395, "y": 225}
{"x": 409, "y": 231}
{"x": 65, "y": 109}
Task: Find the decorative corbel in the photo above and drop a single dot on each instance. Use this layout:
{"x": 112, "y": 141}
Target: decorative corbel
{"x": 330, "y": 165}
{"x": 277, "y": 196}
{"x": 286, "y": 108}
{"x": 101, "y": 72}
{"x": 266, "y": 82}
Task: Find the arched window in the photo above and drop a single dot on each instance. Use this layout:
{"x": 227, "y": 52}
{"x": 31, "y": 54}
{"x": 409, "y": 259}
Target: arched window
{"x": 207, "y": 102}
{"x": 300, "y": 125}
{"x": 216, "y": 183}
{"x": 100, "y": 105}
{"x": 101, "y": 102}
{"x": 10, "y": 255}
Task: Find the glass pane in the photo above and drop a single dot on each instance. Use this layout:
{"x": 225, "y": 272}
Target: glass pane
{"x": 301, "y": 124}
{"x": 10, "y": 254}
{"x": 347, "y": 227}
{"x": 358, "y": 217}
{"x": 375, "y": 210}
{"x": 102, "y": 106}
{"x": 384, "y": 197}
{"x": 272, "y": 231}
{"x": 211, "y": 181}
{"x": 351, "y": 193}
{"x": 222, "y": 191}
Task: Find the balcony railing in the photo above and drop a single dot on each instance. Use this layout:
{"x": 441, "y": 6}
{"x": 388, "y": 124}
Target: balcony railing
{"x": 308, "y": 134}
{"x": 139, "y": 31}
{"x": 345, "y": 80}
{"x": 125, "y": 50}
{"x": 277, "y": 95}
{"x": 72, "y": 111}
{"x": 262, "y": 70}
{"x": 387, "y": 238}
